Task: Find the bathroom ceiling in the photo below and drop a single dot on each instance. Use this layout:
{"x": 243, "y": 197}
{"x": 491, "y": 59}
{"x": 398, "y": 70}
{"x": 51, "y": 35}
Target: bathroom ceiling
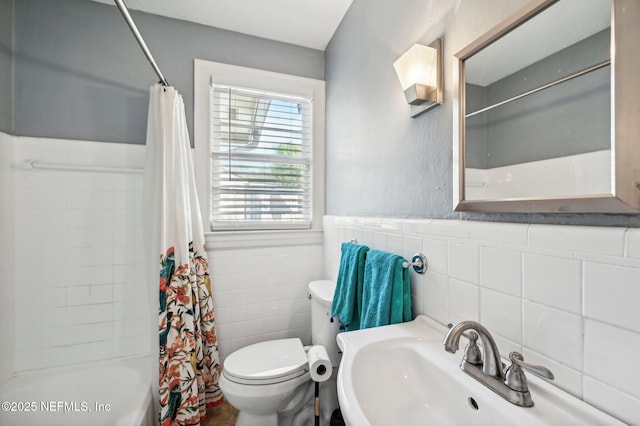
{"x": 309, "y": 23}
{"x": 563, "y": 24}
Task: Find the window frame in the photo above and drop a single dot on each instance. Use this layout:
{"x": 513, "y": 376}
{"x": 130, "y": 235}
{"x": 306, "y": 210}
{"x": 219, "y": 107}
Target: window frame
{"x": 204, "y": 73}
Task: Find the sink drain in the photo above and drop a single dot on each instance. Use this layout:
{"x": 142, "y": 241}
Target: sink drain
{"x": 472, "y": 403}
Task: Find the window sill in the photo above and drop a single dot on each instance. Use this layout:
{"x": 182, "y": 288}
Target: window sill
{"x": 223, "y": 240}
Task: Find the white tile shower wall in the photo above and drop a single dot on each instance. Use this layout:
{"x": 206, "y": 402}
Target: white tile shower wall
{"x": 260, "y": 293}
{"x": 7, "y": 256}
{"x": 78, "y": 255}
{"x": 564, "y": 296}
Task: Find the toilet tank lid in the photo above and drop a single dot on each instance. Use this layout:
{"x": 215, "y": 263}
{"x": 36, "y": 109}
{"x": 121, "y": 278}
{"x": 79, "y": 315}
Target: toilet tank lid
{"x": 322, "y": 290}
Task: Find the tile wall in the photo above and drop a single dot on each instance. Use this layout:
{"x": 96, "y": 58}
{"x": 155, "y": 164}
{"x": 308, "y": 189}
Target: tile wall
{"x": 79, "y": 263}
{"x": 78, "y": 259}
{"x": 260, "y": 293}
{"x": 7, "y": 258}
{"x": 564, "y": 296}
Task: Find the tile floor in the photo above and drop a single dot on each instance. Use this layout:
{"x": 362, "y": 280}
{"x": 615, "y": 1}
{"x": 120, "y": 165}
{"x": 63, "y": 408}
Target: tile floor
{"x": 222, "y": 415}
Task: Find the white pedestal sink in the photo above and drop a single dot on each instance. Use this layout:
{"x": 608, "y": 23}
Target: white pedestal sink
{"x": 401, "y": 375}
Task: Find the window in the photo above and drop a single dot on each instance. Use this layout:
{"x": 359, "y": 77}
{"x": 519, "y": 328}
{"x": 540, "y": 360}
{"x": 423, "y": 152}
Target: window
{"x": 259, "y": 152}
{"x": 260, "y": 158}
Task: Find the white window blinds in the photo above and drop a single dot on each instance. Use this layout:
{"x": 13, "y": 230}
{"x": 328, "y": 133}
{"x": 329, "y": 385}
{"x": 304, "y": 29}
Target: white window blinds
{"x": 260, "y": 159}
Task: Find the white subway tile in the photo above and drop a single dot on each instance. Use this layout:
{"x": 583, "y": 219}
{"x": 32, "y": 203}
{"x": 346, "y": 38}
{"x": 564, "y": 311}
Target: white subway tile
{"x": 506, "y": 346}
{"x": 391, "y": 224}
{"x": 565, "y": 377}
{"x": 501, "y": 270}
{"x": 55, "y": 317}
{"x": 54, "y": 199}
{"x": 623, "y": 406}
{"x": 103, "y": 200}
{"x": 77, "y": 237}
{"x": 28, "y": 337}
{"x": 436, "y": 253}
{"x": 100, "y": 256}
{"x": 30, "y": 219}
{"x": 501, "y": 314}
{"x": 610, "y": 354}
{"x": 553, "y": 281}
{"x": 102, "y": 237}
{"x": 52, "y": 297}
{"x": 78, "y": 295}
{"x": 463, "y": 301}
{"x": 504, "y": 233}
{"x": 463, "y": 262}
{"x": 395, "y": 244}
{"x": 79, "y": 199}
{"x": 78, "y": 314}
{"x": 379, "y": 241}
{"x": 119, "y": 292}
{"x": 612, "y": 294}
{"x": 101, "y": 313}
{"x": 53, "y": 238}
{"x": 26, "y": 199}
{"x": 450, "y": 228}
{"x": 411, "y": 245}
{"x": 76, "y": 218}
{"x": 554, "y": 333}
{"x": 52, "y": 337}
{"x": 99, "y": 219}
{"x": 53, "y": 181}
{"x": 100, "y": 275}
{"x": 436, "y": 296}
{"x": 27, "y": 180}
{"x": 53, "y": 357}
{"x": 416, "y": 226}
{"x": 101, "y": 293}
{"x": 595, "y": 239}
{"x": 632, "y": 245}
{"x": 27, "y": 359}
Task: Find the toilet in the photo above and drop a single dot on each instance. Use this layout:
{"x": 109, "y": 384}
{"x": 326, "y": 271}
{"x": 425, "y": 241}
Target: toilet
{"x": 269, "y": 382}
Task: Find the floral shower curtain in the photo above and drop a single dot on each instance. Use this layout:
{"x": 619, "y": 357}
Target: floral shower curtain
{"x": 178, "y": 269}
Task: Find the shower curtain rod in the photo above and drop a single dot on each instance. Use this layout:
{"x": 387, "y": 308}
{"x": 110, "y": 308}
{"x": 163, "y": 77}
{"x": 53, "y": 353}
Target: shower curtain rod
{"x": 134, "y": 29}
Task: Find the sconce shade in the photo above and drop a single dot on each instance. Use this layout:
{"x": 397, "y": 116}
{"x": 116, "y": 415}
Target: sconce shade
{"x": 420, "y": 74}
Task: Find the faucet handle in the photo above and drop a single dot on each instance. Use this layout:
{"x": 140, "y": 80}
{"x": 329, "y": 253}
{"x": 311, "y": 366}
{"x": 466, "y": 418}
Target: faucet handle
{"x": 539, "y": 370}
{"x": 514, "y": 376}
{"x": 472, "y": 352}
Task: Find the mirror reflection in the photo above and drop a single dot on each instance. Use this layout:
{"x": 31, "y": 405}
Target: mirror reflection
{"x": 537, "y": 116}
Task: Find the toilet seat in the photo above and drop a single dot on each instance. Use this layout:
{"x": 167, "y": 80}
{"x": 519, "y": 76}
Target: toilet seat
{"x": 264, "y": 363}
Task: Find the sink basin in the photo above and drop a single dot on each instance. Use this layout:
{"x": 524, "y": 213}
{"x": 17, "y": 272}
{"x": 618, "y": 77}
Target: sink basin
{"x": 401, "y": 375}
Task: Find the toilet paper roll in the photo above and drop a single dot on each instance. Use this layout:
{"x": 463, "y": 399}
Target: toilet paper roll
{"x": 319, "y": 364}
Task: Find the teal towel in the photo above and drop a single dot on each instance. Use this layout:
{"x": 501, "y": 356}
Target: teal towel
{"x": 347, "y": 298}
{"x": 386, "y": 296}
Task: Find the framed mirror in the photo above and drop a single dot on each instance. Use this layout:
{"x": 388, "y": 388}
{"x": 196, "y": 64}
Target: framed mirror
{"x": 547, "y": 111}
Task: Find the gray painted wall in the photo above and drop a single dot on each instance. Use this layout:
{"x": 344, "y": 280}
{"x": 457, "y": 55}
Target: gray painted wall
{"x": 381, "y": 162}
{"x": 79, "y": 73}
{"x": 6, "y": 66}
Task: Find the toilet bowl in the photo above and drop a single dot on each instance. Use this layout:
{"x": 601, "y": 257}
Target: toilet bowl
{"x": 269, "y": 382}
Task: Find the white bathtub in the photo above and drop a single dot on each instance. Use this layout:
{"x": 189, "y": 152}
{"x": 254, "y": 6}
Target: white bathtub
{"x": 102, "y": 394}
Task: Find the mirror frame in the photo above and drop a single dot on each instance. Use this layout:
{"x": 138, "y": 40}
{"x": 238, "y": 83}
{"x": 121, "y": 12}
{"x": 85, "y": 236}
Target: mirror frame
{"x": 625, "y": 121}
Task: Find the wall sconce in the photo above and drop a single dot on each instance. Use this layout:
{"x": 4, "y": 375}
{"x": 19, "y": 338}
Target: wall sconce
{"x": 420, "y": 72}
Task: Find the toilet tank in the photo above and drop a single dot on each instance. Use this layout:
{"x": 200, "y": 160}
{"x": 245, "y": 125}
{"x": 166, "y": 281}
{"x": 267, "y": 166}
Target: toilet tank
{"x": 323, "y": 329}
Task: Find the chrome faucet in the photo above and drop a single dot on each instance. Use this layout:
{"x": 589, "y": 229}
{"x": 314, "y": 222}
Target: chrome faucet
{"x": 511, "y": 383}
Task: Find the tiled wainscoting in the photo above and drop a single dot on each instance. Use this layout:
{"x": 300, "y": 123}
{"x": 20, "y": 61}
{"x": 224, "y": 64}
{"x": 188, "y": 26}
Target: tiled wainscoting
{"x": 566, "y": 297}
{"x": 78, "y": 255}
{"x": 259, "y": 284}
{"x": 7, "y": 258}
